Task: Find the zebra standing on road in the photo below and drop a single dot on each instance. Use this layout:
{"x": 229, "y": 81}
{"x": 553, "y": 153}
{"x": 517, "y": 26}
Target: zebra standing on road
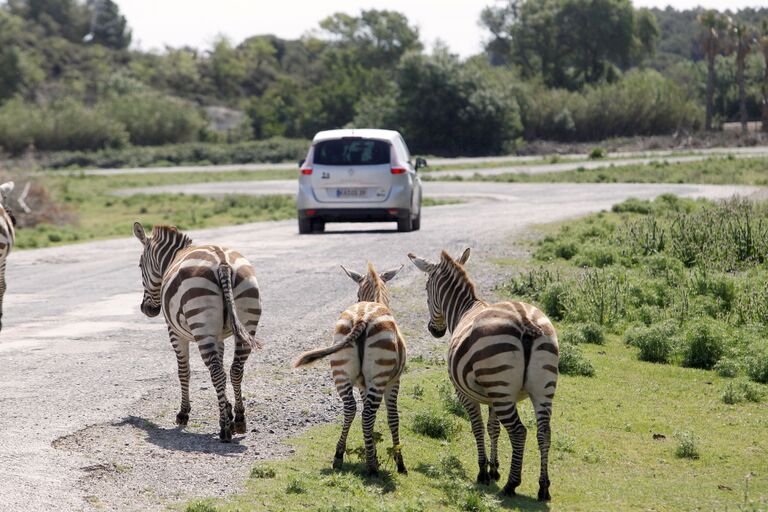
{"x": 499, "y": 354}
{"x": 368, "y": 353}
{"x": 7, "y": 238}
{"x": 207, "y": 293}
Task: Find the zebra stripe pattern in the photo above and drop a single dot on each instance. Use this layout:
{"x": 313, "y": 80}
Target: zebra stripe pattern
{"x": 499, "y": 354}
{"x": 368, "y": 353}
{"x": 207, "y": 293}
{"x": 7, "y": 238}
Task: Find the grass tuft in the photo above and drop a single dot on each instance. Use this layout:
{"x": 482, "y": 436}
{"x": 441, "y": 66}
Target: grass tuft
{"x": 687, "y": 445}
{"x": 435, "y": 425}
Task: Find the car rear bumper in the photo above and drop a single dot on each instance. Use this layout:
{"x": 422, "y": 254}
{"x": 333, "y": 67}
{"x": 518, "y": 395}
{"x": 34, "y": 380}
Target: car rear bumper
{"x": 354, "y": 214}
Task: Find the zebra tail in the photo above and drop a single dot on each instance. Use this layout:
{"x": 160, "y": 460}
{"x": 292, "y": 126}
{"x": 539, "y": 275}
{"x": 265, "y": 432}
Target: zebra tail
{"x": 319, "y": 353}
{"x": 238, "y": 329}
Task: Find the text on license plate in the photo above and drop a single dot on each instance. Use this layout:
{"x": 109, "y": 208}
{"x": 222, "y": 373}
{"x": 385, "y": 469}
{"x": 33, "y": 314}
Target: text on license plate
{"x": 350, "y": 192}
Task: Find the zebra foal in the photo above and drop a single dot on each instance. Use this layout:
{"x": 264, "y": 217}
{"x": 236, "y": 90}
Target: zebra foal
{"x": 368, "y": 353}
{"x": 499, "y": 354}
{"x": 207, "y": 293}
{"x": 7, "y": 238}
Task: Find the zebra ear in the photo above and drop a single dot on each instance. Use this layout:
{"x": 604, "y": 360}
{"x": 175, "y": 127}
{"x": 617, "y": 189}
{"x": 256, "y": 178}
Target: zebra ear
{"x": 138, "y": 231}
{"x": 387, "y": 275}
{"x": 464, "y": 256}
{"x": 352, "y": 274}
{"x": 6, "y": 188}
{"x": 421, "y": 263}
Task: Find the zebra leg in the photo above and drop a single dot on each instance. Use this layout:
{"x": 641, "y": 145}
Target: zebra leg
{"x": 242, "y": 351}
{"x": 181, "y": 347}
{"x": 494, "y": 427}
{"x": 371, "y": 403}
{"x": 517, "y": 434}
{"x": 2, "y": 291}
{"x": 476, "y": 417}
{"x": 210, "y": 354}
{"x": 393, "y": 419}
{"x": 543, "y": 434}
{"x": 347, "y": 395}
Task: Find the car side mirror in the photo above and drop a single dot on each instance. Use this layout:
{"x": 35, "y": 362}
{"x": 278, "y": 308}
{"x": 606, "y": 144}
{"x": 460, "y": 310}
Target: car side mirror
{"x": 420, "y": 162}
{"x": 301, "y": 162}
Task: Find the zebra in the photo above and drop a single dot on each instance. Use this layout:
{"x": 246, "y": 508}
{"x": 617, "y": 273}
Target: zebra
{"x": 499, "y": 354}
{"x": 7, "y": 238}
{"x": 207, "y": 293}
{"x": 368, "y": 353}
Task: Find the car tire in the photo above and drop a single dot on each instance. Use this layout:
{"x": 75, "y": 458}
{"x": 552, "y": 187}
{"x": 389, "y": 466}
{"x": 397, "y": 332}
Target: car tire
{"x": 416, "y": 223}
{"x": 305, "y": 226}
{"x": 318, "y": 226}
{"x": 405, "y": 224}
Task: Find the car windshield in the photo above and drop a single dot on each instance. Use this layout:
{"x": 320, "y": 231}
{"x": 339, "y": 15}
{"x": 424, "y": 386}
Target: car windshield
{"x": 351, "y": 151}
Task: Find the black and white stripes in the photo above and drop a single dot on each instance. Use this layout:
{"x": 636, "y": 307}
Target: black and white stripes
{"x": 7, "y": 238}
{"x": 499, "y": 354}
{"x": 207, "y": 293}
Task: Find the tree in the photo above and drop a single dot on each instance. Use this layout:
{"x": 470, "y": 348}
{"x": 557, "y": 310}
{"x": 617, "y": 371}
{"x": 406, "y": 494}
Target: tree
{"x": 744, "y": 39}
{"x": 714, "y": 41}
{"x": 65, "y": 18}
{"x": 108, "y": 27}
{"x": 763, "y": 40}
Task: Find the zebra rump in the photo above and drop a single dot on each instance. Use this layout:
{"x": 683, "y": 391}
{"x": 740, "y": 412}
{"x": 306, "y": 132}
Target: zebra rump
{"x": 312, "y": 356}
{"x": 238, "y": 329}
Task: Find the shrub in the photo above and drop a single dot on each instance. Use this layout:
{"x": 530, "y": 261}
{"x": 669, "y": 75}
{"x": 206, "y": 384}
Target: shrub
{"x": 573, "y": 362}
{"x": 736, "y": 392}
{"x": 450, "y": 401}
{"x": 655, "y": 343}
{"x": 258, "y": 472}
{"x": 566, "y": 250}
{"x": 434, "y": 425}
{"x": 633, "y": 205}
{"x": 728, "y": 368}
{"x": 686, "y": 445}
{"x": 553, "y": 300}
{"x": 704, "y": 345}
{"x": 757, "y": 368}
{"x": 597, "y": 153}
{"x": 589, "y": 332}
{"x": 295, "y": 486}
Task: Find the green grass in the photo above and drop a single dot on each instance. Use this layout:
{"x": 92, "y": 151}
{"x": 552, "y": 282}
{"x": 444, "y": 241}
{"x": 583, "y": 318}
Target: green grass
{"x": 604, "y": 455}
{"x": 713, "y": 170}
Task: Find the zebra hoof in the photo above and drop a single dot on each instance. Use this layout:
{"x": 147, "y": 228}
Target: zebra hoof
{"x": 240, "y": 427}
{"x": 182, "y": 419}
{"x": 402, "y": 469}
{"x": 337, "y": 461}
{"x": 225, "y": 434}
{"x": 509, "y": 490}
{"x": 493, "y": 472}
{"x": 373, "y": 472}
{"x": 544, "y": 494}
{"x": 483, "y": 478}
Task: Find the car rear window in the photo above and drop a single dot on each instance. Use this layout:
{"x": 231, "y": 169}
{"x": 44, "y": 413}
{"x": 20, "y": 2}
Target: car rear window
{"x": 351, "y": 151}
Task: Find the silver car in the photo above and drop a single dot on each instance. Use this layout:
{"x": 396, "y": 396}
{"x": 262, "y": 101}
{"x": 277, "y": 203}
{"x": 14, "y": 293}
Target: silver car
{"x": 359, "y": 176}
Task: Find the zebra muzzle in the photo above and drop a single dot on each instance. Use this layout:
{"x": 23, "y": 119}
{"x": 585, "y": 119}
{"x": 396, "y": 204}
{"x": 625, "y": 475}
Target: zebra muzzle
{"x": 436, "y": 331}
{"x": 149, "y": 310}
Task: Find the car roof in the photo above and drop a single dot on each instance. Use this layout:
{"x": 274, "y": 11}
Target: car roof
{"x": 366, "y": 133}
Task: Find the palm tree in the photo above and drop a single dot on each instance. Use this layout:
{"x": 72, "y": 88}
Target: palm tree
{"x": 714, "y": 41}
{"x": 744, "y": 39}
{"x": 763, "y": 41}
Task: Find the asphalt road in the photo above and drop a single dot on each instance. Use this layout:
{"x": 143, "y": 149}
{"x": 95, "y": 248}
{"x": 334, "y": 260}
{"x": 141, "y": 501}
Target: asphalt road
{"x": 88, "y": 391}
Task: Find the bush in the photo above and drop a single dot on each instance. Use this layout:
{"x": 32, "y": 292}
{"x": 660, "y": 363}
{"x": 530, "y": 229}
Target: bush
{"x": 553, "y": 300}
{"x": 757, "y": 368}
{"x": 589, "y": 332}
{"x": 687, "y": 445}
{"x": 704, "y": 344}
{"x": 655, "y": 343}
{"x": 573, "y": 362}
{"x": 597, "y": 153}
{"x": 736, "y": 392}
{"x": 728, "y": 368}
{"x": 633, "y": 205}
{"x": 258, "y": 472}
{"x": 434, "y": 425}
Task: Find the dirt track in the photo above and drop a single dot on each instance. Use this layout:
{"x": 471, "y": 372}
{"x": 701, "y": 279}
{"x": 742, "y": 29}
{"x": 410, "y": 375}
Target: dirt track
{"x": 89, "y": 389}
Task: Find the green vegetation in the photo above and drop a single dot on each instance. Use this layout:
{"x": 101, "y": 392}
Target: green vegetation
{"x": 622, "y": 421}
{"x": 681, "y": 280}
{"x": 713, "y": 170}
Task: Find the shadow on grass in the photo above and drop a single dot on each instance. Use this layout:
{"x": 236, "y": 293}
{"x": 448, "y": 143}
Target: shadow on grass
{"x": 179, "y": 440}
{"x": 383, "y": 480}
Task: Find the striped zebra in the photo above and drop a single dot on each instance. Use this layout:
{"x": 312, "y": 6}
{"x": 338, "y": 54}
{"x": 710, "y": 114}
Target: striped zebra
{"x": 7, "y": 238}
{"x": 499, "y": 354}
{"x": 368, "y": 353}
{"x": 207, "y": 293}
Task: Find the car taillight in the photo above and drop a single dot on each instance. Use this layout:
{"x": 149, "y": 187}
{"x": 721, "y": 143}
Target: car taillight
{"x": 398, "y": 170}
{"x": 306, "y": 170}
{"x": 310, "y": 212}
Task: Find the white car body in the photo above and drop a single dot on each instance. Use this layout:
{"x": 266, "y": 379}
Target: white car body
{"x": 359, "y": 175}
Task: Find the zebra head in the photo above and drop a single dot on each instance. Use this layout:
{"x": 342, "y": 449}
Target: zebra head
{"x": 439, "y": 288}
{"x": 371, "y": 287}
{"x": 159, "y": 250}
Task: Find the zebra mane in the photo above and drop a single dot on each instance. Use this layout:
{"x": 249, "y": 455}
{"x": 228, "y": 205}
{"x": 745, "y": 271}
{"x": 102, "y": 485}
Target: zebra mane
{"x": 172, "y": 233}
{"x": 457, "y": 269}
{"x": 379, "y": 288}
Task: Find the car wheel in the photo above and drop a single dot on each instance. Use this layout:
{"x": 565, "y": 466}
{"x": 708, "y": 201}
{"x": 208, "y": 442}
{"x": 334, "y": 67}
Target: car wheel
{"x": 405, "y": 224}
{"x": 416, "y": 223}
{"x": 305, "y": 226}
{"x": 318, "y": 226}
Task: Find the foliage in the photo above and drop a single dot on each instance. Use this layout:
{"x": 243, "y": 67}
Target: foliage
{"x": 687, "y": 447}
{"x": 435, "y": 425}
{"x": 573, "y": 362}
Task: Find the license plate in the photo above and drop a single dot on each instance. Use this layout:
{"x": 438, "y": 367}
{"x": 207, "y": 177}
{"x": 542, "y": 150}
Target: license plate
{"x": 350, "y": 192}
